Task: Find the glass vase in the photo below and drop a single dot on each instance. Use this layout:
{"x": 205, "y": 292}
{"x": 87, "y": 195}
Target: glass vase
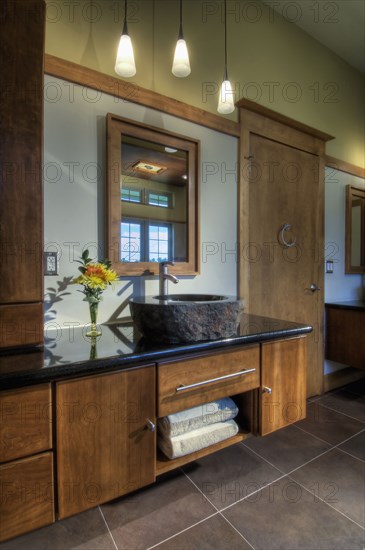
{"x": 93, "y": 309}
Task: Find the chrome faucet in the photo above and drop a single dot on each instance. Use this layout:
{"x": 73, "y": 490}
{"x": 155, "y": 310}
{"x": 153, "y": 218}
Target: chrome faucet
{"x": 164, "y": 276}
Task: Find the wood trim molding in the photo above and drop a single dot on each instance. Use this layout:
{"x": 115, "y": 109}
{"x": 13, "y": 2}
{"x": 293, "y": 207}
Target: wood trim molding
{"x": 72, "y": 72}
{"x": 344, "y": 166}
{"x": 273, "y": 115}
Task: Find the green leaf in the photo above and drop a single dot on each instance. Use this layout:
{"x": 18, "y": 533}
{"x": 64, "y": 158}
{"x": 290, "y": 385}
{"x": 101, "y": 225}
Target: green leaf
{"x": 85, "y": 255}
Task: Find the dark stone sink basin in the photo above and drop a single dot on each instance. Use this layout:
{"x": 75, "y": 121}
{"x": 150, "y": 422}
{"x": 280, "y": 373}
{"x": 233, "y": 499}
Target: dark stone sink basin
{"x": 179, "y": 318}
{"x": 191, "y": 298}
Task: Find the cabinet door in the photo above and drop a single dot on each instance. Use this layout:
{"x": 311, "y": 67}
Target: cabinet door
{"x": 26, "y": 495}
{"x": 22, "y": 30}
{"x": 105, "y": 445}
{"x": 283, "y": 383}
{"x": 26, "y": 422}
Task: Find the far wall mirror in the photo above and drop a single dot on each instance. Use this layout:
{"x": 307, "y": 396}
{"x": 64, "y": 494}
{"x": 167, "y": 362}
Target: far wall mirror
{"x": 355, "y": 230}
{"x": 152, "y": 199}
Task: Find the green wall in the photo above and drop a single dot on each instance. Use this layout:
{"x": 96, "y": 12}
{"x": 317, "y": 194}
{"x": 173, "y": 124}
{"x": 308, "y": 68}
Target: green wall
{"x": 270, "y": 60}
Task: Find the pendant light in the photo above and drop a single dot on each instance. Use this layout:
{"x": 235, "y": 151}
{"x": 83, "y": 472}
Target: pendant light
{"x": 125, "y": 65}
{"x": 181, "y": 64}
{"x": 226, "y": 101}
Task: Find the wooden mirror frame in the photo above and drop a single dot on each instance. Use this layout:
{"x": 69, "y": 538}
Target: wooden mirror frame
{"x": 116, "y": 127}
{"x": 353, "y": 192}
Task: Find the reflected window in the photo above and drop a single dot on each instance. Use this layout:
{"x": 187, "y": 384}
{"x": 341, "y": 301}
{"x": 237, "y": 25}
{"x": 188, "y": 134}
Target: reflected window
{"x": 142, "y": 241}
{"x": 131, "y": 241}
{"x": 129, "y": 194}
{"x": 159, "y": 243}
{"x": 159, "y": 199}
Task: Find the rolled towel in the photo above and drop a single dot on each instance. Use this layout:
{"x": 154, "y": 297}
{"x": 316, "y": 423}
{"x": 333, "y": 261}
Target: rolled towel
{"x": 197, "y": 417}
{"x": 189, "y": 442}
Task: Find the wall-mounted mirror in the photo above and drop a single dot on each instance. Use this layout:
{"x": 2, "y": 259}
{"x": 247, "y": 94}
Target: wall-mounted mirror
{"x": 152, "y": 199}
{"x": 355, "y": 230}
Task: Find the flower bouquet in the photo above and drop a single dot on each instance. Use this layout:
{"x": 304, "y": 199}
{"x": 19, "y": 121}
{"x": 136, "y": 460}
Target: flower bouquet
{"x": 95, "y": 278}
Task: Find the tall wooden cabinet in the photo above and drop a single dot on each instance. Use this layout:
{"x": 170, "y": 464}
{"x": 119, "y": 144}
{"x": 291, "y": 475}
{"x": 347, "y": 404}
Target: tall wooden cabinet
{"x": 22, "y": 30}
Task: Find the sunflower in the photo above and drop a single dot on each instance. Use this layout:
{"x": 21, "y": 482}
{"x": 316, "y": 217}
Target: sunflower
{"x": 95, "y": 276}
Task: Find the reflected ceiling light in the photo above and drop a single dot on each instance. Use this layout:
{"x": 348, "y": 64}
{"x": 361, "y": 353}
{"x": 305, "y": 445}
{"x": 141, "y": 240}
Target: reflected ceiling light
{"x": 170, "y": 150}
{"x": 181, "y": 63}
{"x": 125, "y": 65}
{"x": 226, "y": 100}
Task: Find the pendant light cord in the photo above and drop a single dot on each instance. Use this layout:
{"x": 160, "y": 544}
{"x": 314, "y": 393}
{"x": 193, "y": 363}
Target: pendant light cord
{"x": 225, "y": 41}
{"x": 125, "y": 26}
{"x": 181, "y": 34}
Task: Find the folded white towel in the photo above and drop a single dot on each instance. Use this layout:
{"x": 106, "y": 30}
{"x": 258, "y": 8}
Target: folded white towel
{"x": 181, "y": 445}
{"x": 197, "y": 417}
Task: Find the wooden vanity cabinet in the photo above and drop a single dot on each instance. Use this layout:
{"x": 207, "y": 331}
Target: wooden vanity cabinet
{"x": 267, "y": 381}
{"x": 105, "y": 437}
{"x": 26, "y": 460}
{"x": 283, "y": 384}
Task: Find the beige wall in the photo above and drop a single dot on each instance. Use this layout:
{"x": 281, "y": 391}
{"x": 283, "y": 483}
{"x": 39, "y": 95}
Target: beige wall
{"x": 271, "y": 61}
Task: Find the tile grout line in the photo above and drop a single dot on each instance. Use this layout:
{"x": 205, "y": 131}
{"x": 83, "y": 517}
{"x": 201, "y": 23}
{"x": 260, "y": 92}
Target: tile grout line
{"x": 337, "y": 444}
{"x": 340, "y": 412}
{"x": 107, "y": 526}
{"x": 219, "y": 512}
{"x": 190, "y": 526}
{"x": 319, "y": 438}
{"x": 182, "y": 531}
{"x": 233, "y": 527}
{"x": 312, "y": 459}
{"x": 328, "y": 504}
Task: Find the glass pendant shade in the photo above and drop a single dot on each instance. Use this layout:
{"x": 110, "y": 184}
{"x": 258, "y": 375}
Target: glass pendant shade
{"x": 226, "y": 98}
{"x": 125, "y": 65}
{"x": 181, "y": 63}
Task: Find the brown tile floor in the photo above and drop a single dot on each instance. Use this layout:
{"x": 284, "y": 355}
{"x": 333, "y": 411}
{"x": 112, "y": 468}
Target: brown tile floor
{"x": 299, "y": 488}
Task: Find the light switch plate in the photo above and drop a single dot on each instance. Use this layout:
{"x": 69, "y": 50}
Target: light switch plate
{"x": 50, "y": 263}
{"x": 329, "y": 266}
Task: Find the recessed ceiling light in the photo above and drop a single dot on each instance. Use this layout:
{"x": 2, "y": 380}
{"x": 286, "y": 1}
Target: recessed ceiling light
{"x": 148, "y": 167}
{"x": 170, "y": 150}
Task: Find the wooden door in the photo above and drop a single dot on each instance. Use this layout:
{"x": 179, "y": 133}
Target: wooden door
{"x": 283, "y": 379}
{"x": 104, "y": 445}
{"x": 281, "y": 186}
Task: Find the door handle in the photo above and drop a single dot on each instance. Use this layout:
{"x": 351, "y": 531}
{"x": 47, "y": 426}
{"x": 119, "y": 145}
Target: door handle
{"x": 314, "y": 287}
{"x": 151, "y": 426}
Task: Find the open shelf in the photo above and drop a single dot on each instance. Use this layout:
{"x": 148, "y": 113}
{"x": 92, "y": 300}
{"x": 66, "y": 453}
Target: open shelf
{"x": 164, "y": 464}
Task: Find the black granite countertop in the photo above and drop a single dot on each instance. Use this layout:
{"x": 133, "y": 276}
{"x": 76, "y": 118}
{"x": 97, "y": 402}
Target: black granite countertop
{"x": 69, "y": 353}
{"x": 353, "y": 304}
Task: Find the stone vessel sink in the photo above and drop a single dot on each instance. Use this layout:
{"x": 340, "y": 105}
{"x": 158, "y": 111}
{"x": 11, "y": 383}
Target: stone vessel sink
{"x": 179, "y": 318}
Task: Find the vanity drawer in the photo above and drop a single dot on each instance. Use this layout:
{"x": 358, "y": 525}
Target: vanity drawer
{"x": 26, "y": 422}
{"x": 27, "y": 501}
{"x": 187, "y": 383}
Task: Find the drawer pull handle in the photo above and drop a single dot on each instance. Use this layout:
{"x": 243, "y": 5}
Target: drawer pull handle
{"x": 204, "y": 382}
{"x": 151, "y": 426}
{"x": 266, "y": 389}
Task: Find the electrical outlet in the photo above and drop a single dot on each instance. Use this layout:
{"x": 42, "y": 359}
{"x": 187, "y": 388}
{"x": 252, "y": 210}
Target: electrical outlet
{"x": 50, "y": 263}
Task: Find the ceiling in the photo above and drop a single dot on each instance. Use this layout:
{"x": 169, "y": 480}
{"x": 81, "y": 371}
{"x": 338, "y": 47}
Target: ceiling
{"x": 339, "y": 25}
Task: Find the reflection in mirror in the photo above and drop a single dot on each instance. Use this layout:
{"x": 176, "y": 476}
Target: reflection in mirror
{"x": 355, "y": 230}
{"x": 154, "y": 202}
{"x": 151, "y": 199}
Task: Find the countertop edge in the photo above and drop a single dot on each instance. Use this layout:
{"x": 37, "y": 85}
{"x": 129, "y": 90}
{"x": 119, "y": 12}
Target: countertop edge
{"x": 139, "y": 359}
